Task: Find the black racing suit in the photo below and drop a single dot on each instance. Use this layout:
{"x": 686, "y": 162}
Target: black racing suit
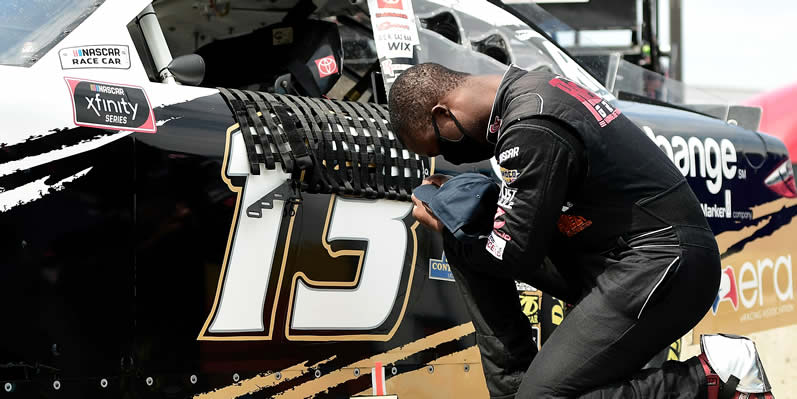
{"x": 627, "y": 243}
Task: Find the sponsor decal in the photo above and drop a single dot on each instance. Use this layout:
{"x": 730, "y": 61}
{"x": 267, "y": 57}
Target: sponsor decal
{"x": 440, "y": 269}
{"x": 395, "y": 44}
{"x": 387, "y": 67}
{"x": 495, "y": 126}
{"x": 603, "y": 112}
{"x": 495, "y": 245}
{"x": 391, "y": 15}
{"x": 498, "y": 223}
{"x": 727, "y": 291}
{"x": 747, "y": 287}
{"x": 724, "y": 211}
{"x": 530, "y": 305}
{"x": 521, "y": 286}
{"x": 111, "y": 106}
{"x": 394, "y": 24}
{"x": 387, "y": 25}
{"x": 509, "y": 175}
{"x": 395, "y": 4}
{"x": 508, "y": 154}
{"x": 705, "y": 158}
{"x": 507, "y": 198}
{"x": 326, "y": 66}
{"x": 95, "y": 56}
{"x": 503, "y": 235}
{"x": 571, "y": 225}
{"x": 558, "y": 312}
{"x": 721, "y": 211}
{"x": 280, "y": 36}
{"x": 674, "y": 352}
{"x": 498, "y": 220}
{"x": 399, "y": 46}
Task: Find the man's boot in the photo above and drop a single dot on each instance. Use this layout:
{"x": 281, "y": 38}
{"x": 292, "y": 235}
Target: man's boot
{"x": 732, "y": 368}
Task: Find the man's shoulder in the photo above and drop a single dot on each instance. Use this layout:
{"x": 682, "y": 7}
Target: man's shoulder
{"x": 526, "y": 79}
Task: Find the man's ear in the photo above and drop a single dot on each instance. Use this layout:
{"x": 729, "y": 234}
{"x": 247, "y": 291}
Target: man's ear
{"x": 439, "y": 110}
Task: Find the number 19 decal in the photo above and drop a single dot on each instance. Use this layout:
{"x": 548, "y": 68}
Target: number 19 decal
{"x": 335, "y": 269}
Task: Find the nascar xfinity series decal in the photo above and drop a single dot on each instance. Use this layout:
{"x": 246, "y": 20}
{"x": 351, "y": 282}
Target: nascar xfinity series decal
{"x": 102, "y": 56}
{"x": 111, "y": 106}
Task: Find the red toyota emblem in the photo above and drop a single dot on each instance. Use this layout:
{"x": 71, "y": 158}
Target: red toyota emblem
{"x": 390, "y": 4}
{"x": 326, "y": 66}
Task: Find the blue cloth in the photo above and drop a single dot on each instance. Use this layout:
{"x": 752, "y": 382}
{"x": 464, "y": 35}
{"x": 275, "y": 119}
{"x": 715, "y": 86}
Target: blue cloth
{"x": 465, "y": 204}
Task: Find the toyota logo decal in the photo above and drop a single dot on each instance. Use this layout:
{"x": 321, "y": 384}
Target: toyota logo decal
{"x": 326, "y": 66}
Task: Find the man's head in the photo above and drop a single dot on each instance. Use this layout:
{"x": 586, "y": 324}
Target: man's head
{"x": 435, "y": 110}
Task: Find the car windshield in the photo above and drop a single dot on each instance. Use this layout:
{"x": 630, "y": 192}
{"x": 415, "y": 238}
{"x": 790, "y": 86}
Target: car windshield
{"x": 482, "y": 38}
{"x": 30, "y": 28}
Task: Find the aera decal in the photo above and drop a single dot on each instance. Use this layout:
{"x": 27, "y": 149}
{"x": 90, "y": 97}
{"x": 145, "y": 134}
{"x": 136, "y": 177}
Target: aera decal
{"x": 396, "y": 4}
{"x": 326, "y": 66}
{"x": 110, "y": 106}
{"x": 727, "y": 291}
{"x": 95, "y": 56}
{"x": 603, "y": 112}
{"x": 440, "y": 269}
{"x": 746, "y": 288}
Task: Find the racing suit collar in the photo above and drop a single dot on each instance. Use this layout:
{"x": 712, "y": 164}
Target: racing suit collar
{"x": 494, "y": 126}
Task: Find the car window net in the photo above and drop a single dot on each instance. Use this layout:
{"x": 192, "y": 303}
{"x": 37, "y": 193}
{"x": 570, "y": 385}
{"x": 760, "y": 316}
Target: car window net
{"x": 328, "y": 146}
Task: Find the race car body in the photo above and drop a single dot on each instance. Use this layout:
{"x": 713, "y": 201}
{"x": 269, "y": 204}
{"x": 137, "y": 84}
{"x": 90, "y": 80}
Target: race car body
{"x": 254, "y": 236}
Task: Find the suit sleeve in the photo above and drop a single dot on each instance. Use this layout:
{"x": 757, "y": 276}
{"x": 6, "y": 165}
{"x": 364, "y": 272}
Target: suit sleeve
{"x": 539, "y": 159}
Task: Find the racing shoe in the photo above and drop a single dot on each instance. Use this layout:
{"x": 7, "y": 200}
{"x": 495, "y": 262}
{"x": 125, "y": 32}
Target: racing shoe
{"x": 733, "y": 368}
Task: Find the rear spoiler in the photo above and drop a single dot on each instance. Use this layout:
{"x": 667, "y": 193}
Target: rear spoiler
{"x": 743, "y": 116}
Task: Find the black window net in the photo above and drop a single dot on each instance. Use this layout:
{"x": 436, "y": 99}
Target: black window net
{"x": 328, "y": 146}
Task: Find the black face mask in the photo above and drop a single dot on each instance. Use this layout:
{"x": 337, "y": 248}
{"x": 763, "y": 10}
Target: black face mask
{"x": 465, "y": 149}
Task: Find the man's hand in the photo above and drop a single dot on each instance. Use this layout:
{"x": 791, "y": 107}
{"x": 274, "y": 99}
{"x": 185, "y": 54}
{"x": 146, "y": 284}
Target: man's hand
{"x": 421, "y": 212}
{"x": 438, "y": 180}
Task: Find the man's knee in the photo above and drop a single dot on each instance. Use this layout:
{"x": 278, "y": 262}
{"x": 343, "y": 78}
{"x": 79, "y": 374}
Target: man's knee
{"x": 536, "y": 390}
